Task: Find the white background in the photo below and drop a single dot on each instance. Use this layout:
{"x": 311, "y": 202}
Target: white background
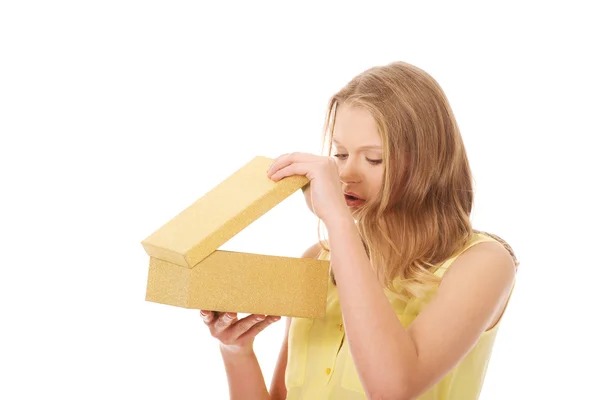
{"x": 116, "y": 115}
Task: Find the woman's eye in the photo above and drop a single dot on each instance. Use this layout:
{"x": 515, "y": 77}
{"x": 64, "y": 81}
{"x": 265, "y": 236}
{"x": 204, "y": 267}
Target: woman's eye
{"x": 344, "y": 156}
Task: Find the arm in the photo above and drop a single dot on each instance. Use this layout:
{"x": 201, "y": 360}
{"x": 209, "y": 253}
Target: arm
{"x": 244, "y": 375}
{"x": 278, "y": 390}
{"x": 468, "y": 301}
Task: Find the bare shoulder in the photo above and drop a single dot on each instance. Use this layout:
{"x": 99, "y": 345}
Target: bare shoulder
{"x": 485, "y": 258}
{"x": 312, "y": 251}
{"x": 493, "y": 252}
{"x": 490, "y": 268}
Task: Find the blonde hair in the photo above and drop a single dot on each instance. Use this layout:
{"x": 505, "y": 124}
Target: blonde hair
{"x": 421, "y": 216}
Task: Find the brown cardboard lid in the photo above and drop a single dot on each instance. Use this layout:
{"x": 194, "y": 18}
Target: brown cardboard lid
{"x": 220, "y": 214}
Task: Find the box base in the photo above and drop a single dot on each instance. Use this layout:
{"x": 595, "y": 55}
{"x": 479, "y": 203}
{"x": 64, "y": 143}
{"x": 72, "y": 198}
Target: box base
{"x": 227, "y": 281}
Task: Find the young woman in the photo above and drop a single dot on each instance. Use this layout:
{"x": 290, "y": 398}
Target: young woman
{"x": 416, "y": 294}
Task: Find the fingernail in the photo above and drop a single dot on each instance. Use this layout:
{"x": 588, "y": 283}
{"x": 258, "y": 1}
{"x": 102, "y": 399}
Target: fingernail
{"x": 274, "y": 319}
{"x": 260, "y": 318}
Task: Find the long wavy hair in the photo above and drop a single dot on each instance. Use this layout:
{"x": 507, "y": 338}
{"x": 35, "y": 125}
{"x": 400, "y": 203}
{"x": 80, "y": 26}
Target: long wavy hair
{"x": 421, "y": 216}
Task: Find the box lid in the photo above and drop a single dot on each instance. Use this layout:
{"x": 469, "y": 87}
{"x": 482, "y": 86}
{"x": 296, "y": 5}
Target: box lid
{"x": 220, "y": 214}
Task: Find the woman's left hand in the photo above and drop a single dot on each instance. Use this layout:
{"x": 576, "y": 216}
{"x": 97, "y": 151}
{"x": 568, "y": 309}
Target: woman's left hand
{"x": 326, "y": 195}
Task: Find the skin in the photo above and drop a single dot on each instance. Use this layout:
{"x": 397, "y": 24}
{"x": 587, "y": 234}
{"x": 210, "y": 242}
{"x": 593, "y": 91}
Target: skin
{"x": 470, "y": 299}
{"x": 358, "y": 153}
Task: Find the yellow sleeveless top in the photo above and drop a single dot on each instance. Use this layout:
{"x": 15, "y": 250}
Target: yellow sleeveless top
{"x": 320, "y": 365}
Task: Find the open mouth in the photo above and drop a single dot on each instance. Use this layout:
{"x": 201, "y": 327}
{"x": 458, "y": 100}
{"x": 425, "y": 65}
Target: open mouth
{"x": 353, "y": 201}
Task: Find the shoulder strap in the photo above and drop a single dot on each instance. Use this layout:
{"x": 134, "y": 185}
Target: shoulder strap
{"x": 477, "y": 238}
{"x": 503, "y": 242}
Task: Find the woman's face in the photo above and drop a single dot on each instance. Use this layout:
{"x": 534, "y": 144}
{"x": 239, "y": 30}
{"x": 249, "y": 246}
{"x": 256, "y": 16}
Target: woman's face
{"x": 357, "y": 148}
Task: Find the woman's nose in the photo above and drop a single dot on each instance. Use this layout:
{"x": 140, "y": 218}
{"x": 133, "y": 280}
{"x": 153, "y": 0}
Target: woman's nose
{"x": 348, "y": 172}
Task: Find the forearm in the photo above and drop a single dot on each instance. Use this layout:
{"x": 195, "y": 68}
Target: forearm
{"x": 375, "y": 335}
{"x": 244, "y": 376}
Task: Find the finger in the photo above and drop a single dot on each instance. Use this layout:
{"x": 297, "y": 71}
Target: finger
{"x": 257, "y": 328}
{"x": 288, "y": 159}
{"x": 224, "y": 321}
{"x": 207, "y": 316}
{"x": 294, "y": 169}
{"x": 308, "y": 199}
{"x": 244, "y": 324}
{"x": 274, "y": 165}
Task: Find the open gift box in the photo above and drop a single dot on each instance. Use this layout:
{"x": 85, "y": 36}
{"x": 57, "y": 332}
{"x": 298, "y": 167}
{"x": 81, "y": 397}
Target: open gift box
{"x": 187, "y": 269}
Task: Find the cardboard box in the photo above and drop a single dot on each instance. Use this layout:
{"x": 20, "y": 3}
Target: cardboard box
{"x": 187, "y": 269}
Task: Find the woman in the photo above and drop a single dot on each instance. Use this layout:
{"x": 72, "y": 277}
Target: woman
{"x": 416, "y": 295}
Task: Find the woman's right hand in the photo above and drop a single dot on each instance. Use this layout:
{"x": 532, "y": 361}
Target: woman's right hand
{"x": 236, "y": 336}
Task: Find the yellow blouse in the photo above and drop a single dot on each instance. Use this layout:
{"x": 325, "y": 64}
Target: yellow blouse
{"x": 320, "y": 365}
